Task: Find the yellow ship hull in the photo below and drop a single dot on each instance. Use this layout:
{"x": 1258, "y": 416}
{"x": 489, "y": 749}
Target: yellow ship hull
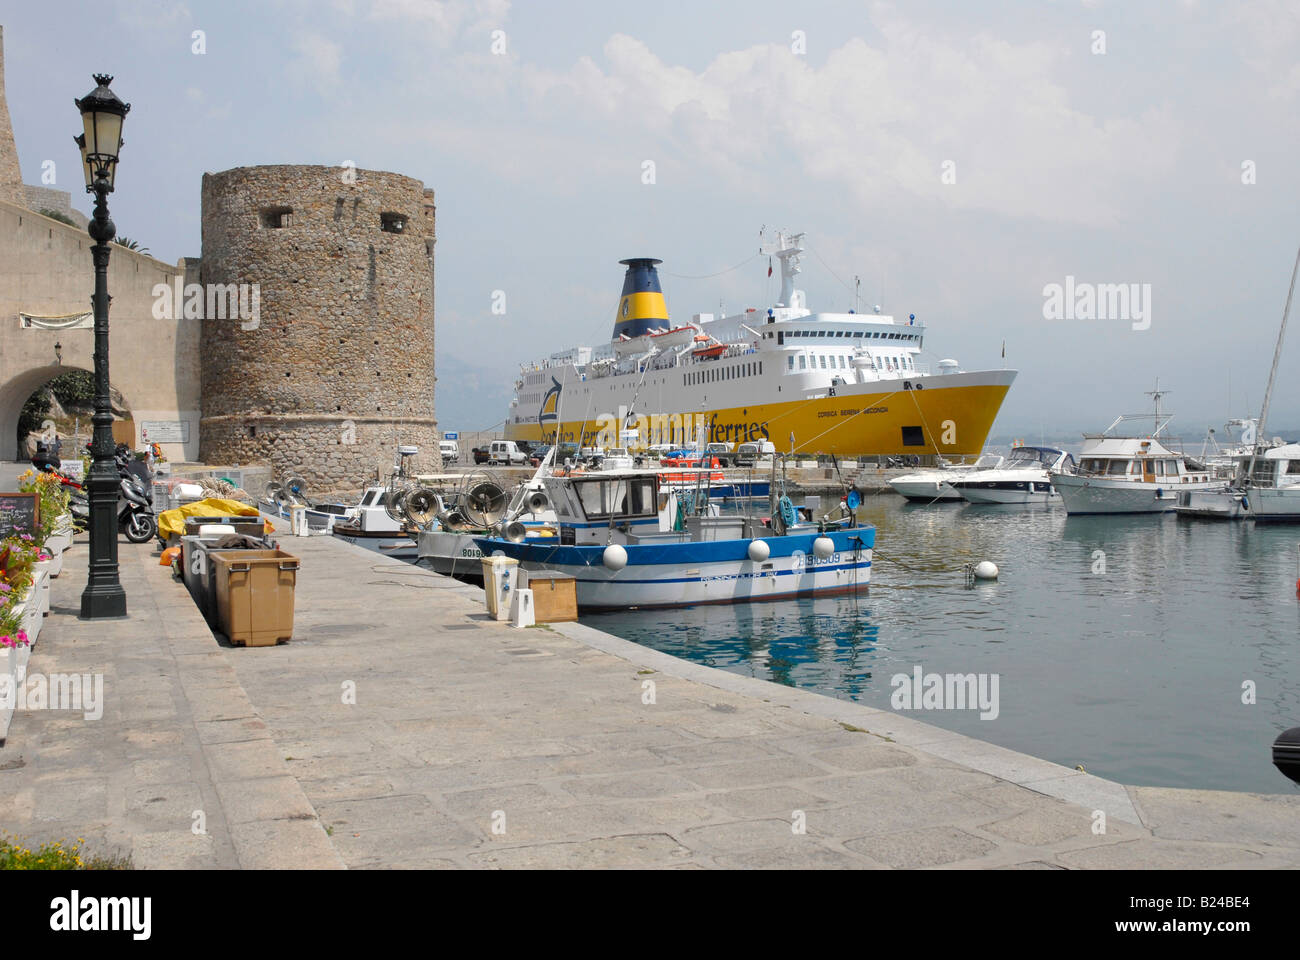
{"x": 950, "y": 415}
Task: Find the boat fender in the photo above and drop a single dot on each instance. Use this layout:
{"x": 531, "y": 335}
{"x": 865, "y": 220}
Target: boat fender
{"x": 614, "y": 557}
{"x": 823, "y": 547}
{"x": 788, "y": 515}
{"x": 759, "y": 550}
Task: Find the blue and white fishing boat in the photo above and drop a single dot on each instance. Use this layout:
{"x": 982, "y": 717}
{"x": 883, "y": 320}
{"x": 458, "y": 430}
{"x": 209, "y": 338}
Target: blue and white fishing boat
{"x": 628, "y": 542}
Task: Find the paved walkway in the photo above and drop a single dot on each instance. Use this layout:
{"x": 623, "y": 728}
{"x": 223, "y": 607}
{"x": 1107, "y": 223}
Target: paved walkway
{"x": 401, "y": 728}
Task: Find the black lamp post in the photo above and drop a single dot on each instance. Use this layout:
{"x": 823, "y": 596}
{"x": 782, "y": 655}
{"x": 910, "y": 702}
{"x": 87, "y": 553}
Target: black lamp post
{"x": 102, "y": 114}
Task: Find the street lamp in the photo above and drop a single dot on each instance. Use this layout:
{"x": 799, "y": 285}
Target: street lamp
{"x": 102, "y": 114}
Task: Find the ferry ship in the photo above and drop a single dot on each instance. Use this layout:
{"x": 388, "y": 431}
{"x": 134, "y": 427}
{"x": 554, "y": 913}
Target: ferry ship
{"x": 848, "y": 384}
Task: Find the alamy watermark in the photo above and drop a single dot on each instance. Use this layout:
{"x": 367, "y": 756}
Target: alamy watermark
{"x": 1098, "y": 301}
{"x": 946, "y": 691}
{"x": 57, "y": 691}
{"x": 212, "y": 301}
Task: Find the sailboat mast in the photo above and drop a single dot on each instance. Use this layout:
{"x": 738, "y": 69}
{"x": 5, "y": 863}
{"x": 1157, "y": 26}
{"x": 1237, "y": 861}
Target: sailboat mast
{"x": 1272, "y": 374}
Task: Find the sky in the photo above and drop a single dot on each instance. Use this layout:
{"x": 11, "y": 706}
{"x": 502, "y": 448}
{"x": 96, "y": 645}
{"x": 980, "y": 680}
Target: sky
{"x": 959, "y": 158}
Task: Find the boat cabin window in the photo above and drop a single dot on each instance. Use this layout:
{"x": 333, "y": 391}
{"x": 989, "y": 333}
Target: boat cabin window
{"x": 1292, "y": 467}
{"x": 1119, "y": 468}
{"x": 632, "y": 497}
{"x": 1171, "y": 468}
{"x": 369, "y": 499}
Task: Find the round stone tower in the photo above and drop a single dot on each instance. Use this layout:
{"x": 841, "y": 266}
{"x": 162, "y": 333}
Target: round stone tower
{"x": 317, "y": 350}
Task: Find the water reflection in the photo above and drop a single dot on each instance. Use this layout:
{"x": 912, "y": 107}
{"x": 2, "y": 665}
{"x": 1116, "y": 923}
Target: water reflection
{"x": 1135, "y": 668}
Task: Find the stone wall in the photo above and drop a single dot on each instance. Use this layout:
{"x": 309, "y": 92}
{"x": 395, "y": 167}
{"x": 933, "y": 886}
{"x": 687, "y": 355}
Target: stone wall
{"x": 11, "y": 177}
{"x": 46, "y": 270}
{"x": 337, "y": 366}
{"x": 47, "y": 198}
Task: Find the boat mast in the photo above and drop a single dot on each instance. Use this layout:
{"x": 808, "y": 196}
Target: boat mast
{"x": 1272, "y": 375}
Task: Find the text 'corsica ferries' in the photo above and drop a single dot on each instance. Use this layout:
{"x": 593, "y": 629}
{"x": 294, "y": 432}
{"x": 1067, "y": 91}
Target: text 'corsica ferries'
{"x": 842, "y": 383}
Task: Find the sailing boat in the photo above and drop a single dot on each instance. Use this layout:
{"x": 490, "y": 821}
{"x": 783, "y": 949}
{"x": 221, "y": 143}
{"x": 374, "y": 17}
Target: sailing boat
{"x": 1267, "y": 486}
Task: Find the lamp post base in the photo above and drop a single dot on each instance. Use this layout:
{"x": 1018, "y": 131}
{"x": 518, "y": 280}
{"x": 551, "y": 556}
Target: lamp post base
{"x": 105, "y": 604}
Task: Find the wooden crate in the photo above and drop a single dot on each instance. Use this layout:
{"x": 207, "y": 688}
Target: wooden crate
{"x": 555, "y": 596}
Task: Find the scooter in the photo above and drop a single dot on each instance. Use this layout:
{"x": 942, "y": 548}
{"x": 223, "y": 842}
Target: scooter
{"x": 135, "y": 514}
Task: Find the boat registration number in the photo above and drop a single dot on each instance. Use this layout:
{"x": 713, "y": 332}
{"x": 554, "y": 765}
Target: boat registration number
{"x": 473, "y": 552}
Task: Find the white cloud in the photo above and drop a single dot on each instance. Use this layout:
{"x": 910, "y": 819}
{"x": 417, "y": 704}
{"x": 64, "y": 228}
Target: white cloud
{"x": 315, "y": 63}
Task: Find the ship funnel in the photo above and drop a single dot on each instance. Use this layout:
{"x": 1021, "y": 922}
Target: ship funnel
{"x": 641, "y": 308}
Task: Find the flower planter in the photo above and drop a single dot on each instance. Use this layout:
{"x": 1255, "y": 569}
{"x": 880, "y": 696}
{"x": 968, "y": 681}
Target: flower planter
{"x": 55, "y": 562}
{"x": 41, "y": 586}
{"x": 13, "y": 671}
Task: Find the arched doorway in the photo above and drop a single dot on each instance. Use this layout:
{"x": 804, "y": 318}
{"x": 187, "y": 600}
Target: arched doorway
{"x": 70, "y": 417}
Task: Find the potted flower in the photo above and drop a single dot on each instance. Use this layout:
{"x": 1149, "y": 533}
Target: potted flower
{"x": 26, "y": 580}
{"x": 15, "y": 651}
{"x": 55, "y": 529}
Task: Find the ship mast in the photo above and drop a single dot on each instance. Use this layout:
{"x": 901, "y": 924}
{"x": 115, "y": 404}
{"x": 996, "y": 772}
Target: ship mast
{"x": 787, "y": 249}
{"x": 1272, "y": 375}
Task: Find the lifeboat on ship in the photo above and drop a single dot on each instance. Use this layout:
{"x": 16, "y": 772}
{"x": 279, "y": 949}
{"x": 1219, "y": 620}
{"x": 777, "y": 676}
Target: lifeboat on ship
{"x": 708, "y": 349}
{"x": 656, "y": 339}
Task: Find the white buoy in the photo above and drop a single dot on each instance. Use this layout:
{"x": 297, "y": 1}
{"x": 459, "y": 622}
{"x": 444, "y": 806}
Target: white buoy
{"x": 614, "y": 557}
{"x": 759, "y": 550}
{"x": 986, "y": 570}
{"x": 823, "y": 547}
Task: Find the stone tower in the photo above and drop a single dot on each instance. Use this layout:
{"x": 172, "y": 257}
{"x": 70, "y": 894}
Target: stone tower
{"x": 330, "y": 365}
{"x": 11, "y": 177}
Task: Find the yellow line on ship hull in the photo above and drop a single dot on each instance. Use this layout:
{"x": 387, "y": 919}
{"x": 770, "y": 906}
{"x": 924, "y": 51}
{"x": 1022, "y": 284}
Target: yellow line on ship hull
{"x": 954, "y": 421}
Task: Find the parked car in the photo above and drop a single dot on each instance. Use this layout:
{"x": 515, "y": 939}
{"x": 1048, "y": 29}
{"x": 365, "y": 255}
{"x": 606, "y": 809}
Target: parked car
{"x": 480, "y": 454}
{"x": 537, "y": 454}
{"x": 507, "y": 453}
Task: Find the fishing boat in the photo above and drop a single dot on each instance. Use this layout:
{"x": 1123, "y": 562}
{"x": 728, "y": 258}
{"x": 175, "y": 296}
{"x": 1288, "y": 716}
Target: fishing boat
{"x": 630, "y": 543}
{"x": 845, "y": 383}
{"x": 1025, "y": 478}
{"x": 935, "y": 484}
{"x": 452, "y": 511}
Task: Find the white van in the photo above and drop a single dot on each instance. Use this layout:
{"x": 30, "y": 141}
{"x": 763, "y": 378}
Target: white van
{"x": 750, "y": 454}
{"x": 506, "y": 452}
{"x": 450, "y": 450}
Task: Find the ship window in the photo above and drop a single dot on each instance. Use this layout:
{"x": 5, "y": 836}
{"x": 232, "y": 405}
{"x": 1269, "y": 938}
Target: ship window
{"x": 913, "y": 437}
{"x": 1171, "y": 467}
{"x": 1118, "y": 468}
{"x": 1292, "y": 467}
{"x": 803, "y": 362}
{"x": 1160, "y": 467}
{"x": 823, "y": 360}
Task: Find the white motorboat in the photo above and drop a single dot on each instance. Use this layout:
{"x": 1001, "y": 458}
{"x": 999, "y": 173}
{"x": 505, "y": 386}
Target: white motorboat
{"x": 1130, "y": 475}
{"x": 935, "y": 484}
{"x": 1024, "y": 478}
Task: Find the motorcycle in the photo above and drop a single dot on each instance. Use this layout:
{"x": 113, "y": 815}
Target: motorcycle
{"x": 135, "y": 512}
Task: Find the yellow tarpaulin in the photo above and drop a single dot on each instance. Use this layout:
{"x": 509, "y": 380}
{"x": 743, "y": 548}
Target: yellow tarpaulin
{"x": 173, "y": 521}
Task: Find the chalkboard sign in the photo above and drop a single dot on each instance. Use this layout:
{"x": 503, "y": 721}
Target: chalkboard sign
{"x": 19, "y": 513}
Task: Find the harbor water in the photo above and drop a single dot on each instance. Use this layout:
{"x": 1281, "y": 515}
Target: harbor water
{"x": 1132, "y": 646}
